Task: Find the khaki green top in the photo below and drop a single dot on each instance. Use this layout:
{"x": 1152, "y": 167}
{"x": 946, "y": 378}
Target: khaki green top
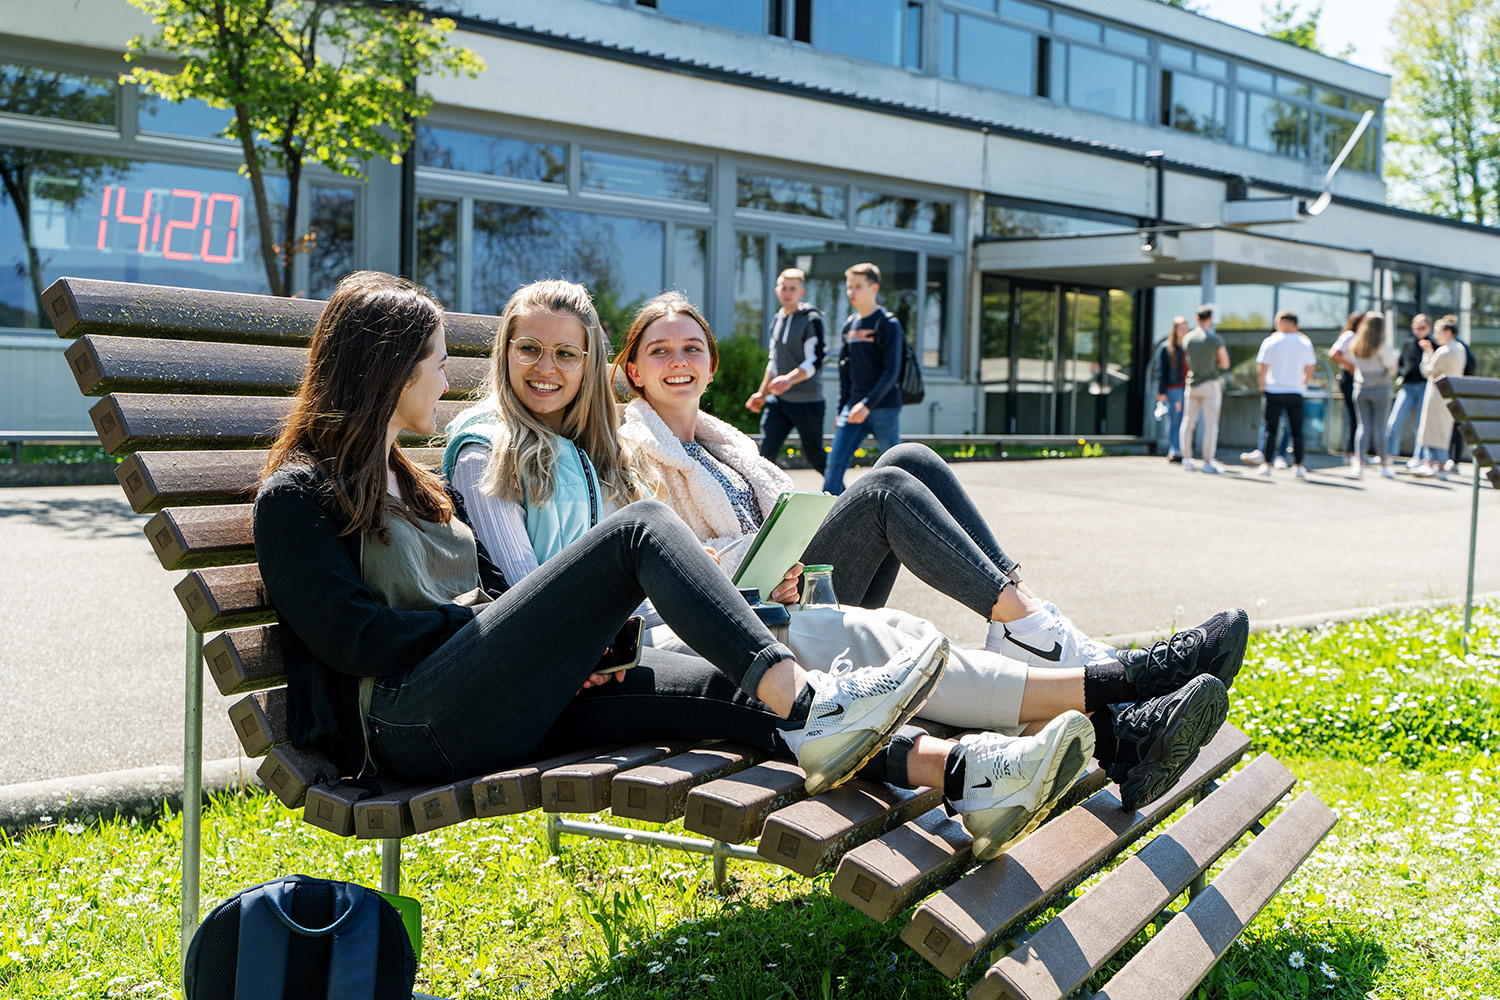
{"x": 1202, "y": 348}
{"x": 423, "y": 567}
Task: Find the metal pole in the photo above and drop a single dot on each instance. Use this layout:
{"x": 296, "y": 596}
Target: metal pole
{"x": 1473, "y": 544}
{"x": 192, "y": 785}
{"x": 390, "y": 866}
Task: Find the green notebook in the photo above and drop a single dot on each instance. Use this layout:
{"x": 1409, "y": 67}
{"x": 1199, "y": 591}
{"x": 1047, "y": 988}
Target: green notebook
{"x": 782, "y": 539}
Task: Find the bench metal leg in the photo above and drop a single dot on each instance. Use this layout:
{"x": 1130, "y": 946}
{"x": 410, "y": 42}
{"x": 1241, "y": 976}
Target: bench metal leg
{"x": 720, "y": 851}
{"x": 390, "y": 866}
{"x": 1473, "y": 543}
{"x": 192, "y": 785}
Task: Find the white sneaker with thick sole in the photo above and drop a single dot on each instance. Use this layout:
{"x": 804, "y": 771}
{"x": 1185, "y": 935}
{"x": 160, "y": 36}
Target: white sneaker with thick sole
{"x": 1188, "y": 465}
{"x": 1090, "y": 649}
{"x": 854, "y": 713}
{"x": 1299, "y": 471}
{"x": 1212, "y": 468}
{"x": 1263, "y": 470}
{"x": 1386, "y": 472}
{"x": 1057, "y": 643}
{"x": 1280, "y": 463}
{"x": 1253, "y": 457}
{"x": 1012, "y": 783}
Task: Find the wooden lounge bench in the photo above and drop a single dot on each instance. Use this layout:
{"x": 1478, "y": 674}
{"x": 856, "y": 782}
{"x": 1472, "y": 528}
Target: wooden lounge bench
{"x": 193, "y": 386}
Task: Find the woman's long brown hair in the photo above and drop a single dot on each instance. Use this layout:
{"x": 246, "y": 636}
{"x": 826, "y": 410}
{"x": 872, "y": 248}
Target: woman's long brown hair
{"x": 374, "y": 331}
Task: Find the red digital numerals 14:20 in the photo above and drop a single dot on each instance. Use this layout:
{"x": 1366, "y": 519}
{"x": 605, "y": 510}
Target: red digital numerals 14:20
{"x": 172, "y": 238}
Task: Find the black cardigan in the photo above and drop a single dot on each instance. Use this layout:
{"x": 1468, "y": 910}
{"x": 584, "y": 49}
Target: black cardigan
{"x": 335, "y": 629}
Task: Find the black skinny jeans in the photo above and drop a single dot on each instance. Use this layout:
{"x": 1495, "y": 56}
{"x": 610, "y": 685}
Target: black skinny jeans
{"x": 1290, "y": 403}
{"x": 910, "y": 510}
{"x": 505, "y": 688}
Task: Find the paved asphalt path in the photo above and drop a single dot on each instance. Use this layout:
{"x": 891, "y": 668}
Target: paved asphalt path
{"x": 91, "y": 636}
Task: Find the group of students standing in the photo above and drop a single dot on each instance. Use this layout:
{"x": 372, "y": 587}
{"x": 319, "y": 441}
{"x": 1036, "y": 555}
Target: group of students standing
{"x": 437, "y": 626}
{"x": 1190, "y": 366}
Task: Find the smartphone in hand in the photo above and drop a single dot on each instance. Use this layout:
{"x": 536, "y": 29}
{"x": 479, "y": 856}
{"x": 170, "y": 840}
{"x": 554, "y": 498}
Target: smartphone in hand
{"x": 625, "y": 651}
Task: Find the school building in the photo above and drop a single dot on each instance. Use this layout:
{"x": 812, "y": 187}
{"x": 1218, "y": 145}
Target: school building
{"x": 1043, "y": 184}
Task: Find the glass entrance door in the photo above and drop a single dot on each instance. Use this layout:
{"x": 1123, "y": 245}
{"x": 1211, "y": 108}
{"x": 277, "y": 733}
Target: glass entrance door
{"x": 1044, "y": 356}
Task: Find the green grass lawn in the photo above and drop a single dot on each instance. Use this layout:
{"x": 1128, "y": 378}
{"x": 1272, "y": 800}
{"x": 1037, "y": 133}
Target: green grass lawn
{"x": 1384, "y": 719}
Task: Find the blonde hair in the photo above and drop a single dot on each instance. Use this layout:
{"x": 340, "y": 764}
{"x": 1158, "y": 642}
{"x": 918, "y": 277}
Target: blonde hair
{"x": 525, "y": 450}
{"x": 1369, "y": 335}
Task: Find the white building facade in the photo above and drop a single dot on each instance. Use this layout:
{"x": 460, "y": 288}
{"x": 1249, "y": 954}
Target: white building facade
{"x": 1043, "y": 185}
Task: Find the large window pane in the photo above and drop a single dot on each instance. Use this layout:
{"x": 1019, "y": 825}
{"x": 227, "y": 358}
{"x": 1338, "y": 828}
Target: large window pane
{"x": 750, "y": 286}
{"x": 1010, "y": 222}
{"x": 867, "y": 29}
{"x": 743, "y": 15}
{"x": 646, "y": 176}
{"x": 1193, "y": 104}
{"x": 769, "y": 193}
{"x": 124, "y": 220}
{"x": 452, "y": 149}
{"x": 932, "y": 345}
{"x": 619, "y": 259}
{"x": 996, "y": 55}
{"x": 50, "y": 93}
{"x": 192, "y": 118}
{"x": 437, "y": 249}
{"x": 690, "y": 264}
{"x": 1321, "y": 309}
{"x": 889, "y": 211}
{"x": 1102, "y": 82}
{"x": 1336, "y": 131}
{"x": 1023, "y": 11}
{"x": 1273, "y": 126}
{"x": 330, "y": 219}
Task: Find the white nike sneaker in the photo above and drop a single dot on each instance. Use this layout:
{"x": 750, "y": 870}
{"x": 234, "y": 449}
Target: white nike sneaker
{"x": 1091, "y": 649}
{"x": 1012, "y": 783}
{"x": 855, "y": 712}
{"x": 1058, "y": 643}
{"x": 1253, "y": 457}
{"x": 1280, "y": 463}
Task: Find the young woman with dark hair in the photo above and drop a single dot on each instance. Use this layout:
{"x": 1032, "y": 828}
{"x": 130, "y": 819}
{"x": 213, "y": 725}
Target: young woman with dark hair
{"x": 397, "y": 661}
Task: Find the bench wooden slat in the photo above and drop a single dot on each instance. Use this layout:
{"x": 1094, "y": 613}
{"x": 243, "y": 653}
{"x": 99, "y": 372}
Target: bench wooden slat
{"x": 79, "y": 306}
{"x": 1481, "y": 432}
{"x": 657, "y": 793}
{"x": 289, "y": 771}
{"x": 132, "y": 421}
{"x": 1471, "y": 386}
{"x": 193, "y": 537}
{"x": 103, "y": 364}
{"x": 220, "y": 597}
{"x": 259, "y": 720}
{"x": 888, "y": 874}
{"x": 1076, "y": 943}
{"x": 519, "y": 789}
{"x": 245, "y": 659}
{"x": 443, "y": 806}
{"x": 1469, "y": 408}
{"x": 385, "y": 816}
{"x": 153, "y": 480}
{"x": 734, "y": 809}
{"x": 808, "y": 837}
{"x": 1183, "y": 952}
{"x": 584, "y": 786}
{"x": 331, "y": 809}
{"x": 957, "y": 925}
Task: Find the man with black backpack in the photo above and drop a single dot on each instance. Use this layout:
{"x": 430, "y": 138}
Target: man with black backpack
{"x": 791, "y": 393}
{"x": 869, "y": 375}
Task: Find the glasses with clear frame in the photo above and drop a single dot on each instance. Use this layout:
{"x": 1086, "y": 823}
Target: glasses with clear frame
{"x": 526, "y": 352}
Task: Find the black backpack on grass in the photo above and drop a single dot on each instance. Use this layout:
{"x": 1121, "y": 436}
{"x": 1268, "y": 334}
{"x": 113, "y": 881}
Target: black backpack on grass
{"x": 301, "y": 938}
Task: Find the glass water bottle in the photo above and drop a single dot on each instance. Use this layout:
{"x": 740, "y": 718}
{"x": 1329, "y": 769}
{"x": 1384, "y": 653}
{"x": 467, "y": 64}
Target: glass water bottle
{"x": 817, "y": 587}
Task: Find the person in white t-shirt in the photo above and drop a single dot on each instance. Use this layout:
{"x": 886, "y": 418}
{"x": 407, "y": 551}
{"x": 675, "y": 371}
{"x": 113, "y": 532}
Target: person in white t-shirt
{"x": 1283, "y": 367}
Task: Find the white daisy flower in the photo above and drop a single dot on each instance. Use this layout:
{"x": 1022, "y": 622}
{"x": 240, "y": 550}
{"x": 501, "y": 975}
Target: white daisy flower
{"x": 1296, "y": 960}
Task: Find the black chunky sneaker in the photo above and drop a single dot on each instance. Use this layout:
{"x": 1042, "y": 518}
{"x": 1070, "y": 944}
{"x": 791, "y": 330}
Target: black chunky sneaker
{"x": 1160, "y": 737}
{"x": 1216, "y": 647}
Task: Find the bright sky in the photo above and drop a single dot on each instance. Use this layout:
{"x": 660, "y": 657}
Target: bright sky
{"x": 1365, "y": 24}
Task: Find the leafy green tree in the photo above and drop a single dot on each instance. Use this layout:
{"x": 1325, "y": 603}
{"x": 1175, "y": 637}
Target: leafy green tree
{"x": 306, "y": 81}
{"x": 1444, "y": 120}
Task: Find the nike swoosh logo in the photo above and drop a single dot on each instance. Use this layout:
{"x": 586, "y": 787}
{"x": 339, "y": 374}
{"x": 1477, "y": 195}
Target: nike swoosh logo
{"x": 984, "y": 784}
{"x": 1054, "y": 654}
{"x": 832, "y": 712}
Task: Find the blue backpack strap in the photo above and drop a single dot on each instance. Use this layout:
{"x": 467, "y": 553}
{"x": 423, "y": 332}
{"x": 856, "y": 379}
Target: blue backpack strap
{"x": 353, "y": 960}
{"x": 265, "y": 939}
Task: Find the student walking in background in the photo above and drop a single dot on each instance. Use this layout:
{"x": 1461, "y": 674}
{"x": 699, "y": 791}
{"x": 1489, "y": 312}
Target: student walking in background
{"x": 1413, "y": 386}
{"x": 869, "y": 369}
{"x": 1338, "y": 354}
{"x": 790, "y": 393}
{"x": 1372, "y": 362}
{"x": 1207, "y": 360}
{"x": 1436, "y": 426}
{"x": 1283, "y": 366}
{"x": 1171, "y": 384}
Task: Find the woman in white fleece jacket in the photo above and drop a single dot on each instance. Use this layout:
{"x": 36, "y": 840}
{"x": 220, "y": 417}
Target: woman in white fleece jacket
{"x": 909, "y": 510}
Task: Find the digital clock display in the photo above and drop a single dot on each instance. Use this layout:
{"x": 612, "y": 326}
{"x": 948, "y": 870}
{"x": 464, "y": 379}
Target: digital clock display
{"x": 171, "y": 223}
